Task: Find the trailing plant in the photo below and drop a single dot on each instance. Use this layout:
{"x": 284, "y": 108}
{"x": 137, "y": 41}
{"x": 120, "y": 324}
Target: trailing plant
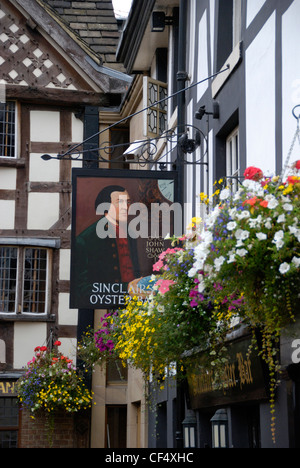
{"x": 250, "y": 255}
{"x": 240, "y": 264}
{"x": 52, "y": 383}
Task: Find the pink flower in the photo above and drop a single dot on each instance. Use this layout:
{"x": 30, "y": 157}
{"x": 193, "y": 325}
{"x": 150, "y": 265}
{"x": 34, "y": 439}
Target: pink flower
{"x": 158, "y": 266}
{"x": 164, "y": 285}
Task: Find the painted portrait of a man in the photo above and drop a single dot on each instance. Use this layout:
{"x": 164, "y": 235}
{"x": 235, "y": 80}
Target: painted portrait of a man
{"x": 107, "y": 256}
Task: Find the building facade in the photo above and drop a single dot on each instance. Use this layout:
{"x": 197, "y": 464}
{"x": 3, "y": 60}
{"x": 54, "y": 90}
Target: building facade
{"x": 52, "y": 86}
{"x": 231, "y": 72}
{"x": 210, "y": 83}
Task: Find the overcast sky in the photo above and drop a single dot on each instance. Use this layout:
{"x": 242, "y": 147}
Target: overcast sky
{"x": 122, "y": 7}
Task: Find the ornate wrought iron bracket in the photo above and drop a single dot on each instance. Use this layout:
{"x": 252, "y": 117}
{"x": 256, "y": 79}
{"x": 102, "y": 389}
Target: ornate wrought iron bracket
{"x": 159, "y": 150}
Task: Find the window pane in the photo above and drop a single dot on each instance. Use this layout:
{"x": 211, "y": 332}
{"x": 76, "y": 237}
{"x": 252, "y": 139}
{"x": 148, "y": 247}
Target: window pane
{"x": 115, "y": 371}
{"x": 8, "y": 439}
{"x": 8, "y": 279}
{"x": 7, "y": 129}
{"x": 35, "y": 281}
{"x": 157, "y": 93}
{"x": 9, "y": 412}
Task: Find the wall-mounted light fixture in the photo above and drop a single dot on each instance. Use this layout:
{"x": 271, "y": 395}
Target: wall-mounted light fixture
{"x": 202, "y": 111}
{"x": 219, "y": 424}
{"x": 190, "y": 430}
{"x": 189, "y": 145}
{"x": 159, "y": 21}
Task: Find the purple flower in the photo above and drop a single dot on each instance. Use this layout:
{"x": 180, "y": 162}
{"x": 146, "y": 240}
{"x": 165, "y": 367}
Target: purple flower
{"x": 194, "y": 303}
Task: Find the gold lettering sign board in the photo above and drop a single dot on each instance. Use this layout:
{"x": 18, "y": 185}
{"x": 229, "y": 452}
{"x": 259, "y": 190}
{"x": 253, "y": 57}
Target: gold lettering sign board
{"x": 7, "y": 388}
{"x": 242, "y": 379}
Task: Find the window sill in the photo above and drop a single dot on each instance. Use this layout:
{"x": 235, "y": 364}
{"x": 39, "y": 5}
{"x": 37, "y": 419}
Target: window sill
{"x": 231, "y": 63}
{"x": 12, "y": 162}
{"x": 26, "y": 318}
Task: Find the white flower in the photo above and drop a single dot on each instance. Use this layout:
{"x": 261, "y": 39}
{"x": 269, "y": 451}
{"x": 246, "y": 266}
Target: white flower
{"x": 268, "y": 223}
{"x": 284, "y": 268}
{"x": 192, "y": 273}
{"x": 278, "y": 239}
{"x": 288, "y": 207}
{"x": 293, "y": 229}
{"x": 243, "y": 215}
{"x": 218, "y": 263}
{"x": 231, "y": 258}
{"x": 281, "y": 218}
{"x": 255, "y": 222}
{"x": 237, "y": 195}
{"x": 272, "y": 203}
{"x": 253, "y": 186}
{"x": 225, "y": 194}
{"x": 296, "y": 262}
{"x": 278, "y": 236}
{"x": 232, "y": 212}
{"x": 242, "y": 252}
{"x": 242, "y": 234}
{"x": 261, "y": 236}
{"x": 231, "y": 225}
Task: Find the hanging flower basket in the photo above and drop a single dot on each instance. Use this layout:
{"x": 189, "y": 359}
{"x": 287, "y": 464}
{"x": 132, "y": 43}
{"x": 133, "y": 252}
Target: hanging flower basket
{"x": 51, "y": 383}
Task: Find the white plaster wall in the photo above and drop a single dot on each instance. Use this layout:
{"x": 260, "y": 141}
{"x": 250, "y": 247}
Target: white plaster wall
{"x": 212, "y": 6}
{"x": 43, "y": 210}
{"x": 43, "y": 171}
{"x": 189, "y": 168}
{"x": 290, "y": 77}
{"x": 7, "y": 214}
{"x": 202, "y": 56}
{"x": 66, "y": 316}
{"x": 211, "y": 180}
{"x": 77, "y": 130}
{"x": 26, "y": 337}
{"x": 260, "y": 99}
{"x": 8, "y": 178}
{"x": 64, "y": 264}
{"x": 77, "y": 136}
{"x": 192, "y": 40}
{"x": 68, "y": 348}
{"x": 253, "y": 8}
{"x": 45, "y": 126}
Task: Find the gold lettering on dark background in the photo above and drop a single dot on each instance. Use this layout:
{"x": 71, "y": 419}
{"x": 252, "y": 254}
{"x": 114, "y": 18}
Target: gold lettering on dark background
{"x": 155, "y": 247}
{"x": 7, "y": 388}
{"x": 232, "y": 376}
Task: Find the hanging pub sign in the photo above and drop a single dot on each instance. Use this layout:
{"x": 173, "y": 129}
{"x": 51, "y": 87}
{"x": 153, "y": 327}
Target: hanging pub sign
{"x": 120, "y": 222}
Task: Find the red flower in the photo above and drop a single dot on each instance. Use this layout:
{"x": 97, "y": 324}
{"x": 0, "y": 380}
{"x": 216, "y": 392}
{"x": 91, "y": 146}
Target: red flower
{"x": 296, "y": 165}
{"x": 44, "y": 348}
{"x": 292, "y": 180}
{"x": 251, "y": 201}
{"x": 37, "y": 349}
{"x": 57, "y": 343}
{"x": 264, "y": 204}
{"x": 253, "y": 173}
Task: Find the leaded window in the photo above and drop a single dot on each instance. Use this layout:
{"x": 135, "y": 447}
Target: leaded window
{"x": 9, "y": 421}
{"x": 232, "y": 159}
{"x": 23, "y": 280}
{"x": 8, "y": 129}
{"x": 155, "y": 99}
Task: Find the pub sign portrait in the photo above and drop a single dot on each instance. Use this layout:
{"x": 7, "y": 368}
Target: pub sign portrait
{"x": 120, "y": 221}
